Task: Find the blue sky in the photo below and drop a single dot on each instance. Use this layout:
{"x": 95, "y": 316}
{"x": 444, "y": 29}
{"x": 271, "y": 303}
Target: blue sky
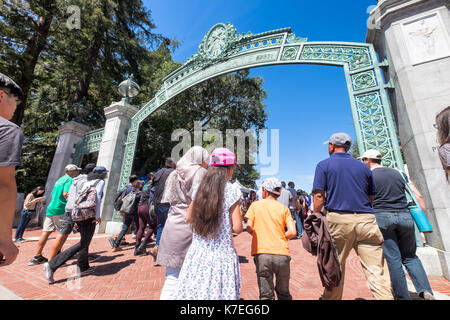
{"x": 307, "y": 103}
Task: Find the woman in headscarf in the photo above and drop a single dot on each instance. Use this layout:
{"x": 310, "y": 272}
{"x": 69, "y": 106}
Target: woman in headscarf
{"x": 176, "y": 238}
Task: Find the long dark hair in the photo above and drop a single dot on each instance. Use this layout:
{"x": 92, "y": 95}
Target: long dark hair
{"x": 207, "y": 209}
{"x": 96, "y": 175}
{"x": 35, "y": 191}
{"x": 443, "y": 134}
{"x": 443, "y": 126}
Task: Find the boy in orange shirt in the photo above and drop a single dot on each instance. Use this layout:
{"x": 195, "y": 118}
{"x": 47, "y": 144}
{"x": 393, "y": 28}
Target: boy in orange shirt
{"x": 267, "y": 222}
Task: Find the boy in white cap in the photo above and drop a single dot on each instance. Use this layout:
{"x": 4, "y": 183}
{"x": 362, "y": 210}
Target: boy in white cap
{"x": 55, "y": 210}
{"x": 267, "y": 222}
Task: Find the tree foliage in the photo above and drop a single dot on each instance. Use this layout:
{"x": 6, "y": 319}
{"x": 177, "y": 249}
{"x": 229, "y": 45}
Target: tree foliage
{"x": 354, "y": 150}
{"x": 70, "y": 66}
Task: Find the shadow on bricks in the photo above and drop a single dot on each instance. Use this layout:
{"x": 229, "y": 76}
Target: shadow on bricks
{"x": 103, "y": 259}
{"x": 243, "y": 259}
{"x": 112, "y": 268}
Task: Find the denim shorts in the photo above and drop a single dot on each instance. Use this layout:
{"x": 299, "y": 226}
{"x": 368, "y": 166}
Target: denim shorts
{"x": 66, "y": 224}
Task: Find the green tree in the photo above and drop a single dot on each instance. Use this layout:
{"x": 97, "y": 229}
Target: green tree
{"x": 61, "y": 68}
{"x": 24, "y": 29}
{"x": 354, "y": 150}
{"x": 64, "y": 67}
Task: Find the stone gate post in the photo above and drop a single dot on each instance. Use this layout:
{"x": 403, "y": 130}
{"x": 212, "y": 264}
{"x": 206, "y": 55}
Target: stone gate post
{"x": 69, "y": 134}
{"x": 414, "y": 38}
{"x": 118, "y": 121}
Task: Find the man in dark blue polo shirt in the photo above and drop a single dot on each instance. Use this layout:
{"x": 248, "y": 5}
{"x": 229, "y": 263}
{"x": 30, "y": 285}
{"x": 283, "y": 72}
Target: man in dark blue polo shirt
{"x": 345, "y": 187}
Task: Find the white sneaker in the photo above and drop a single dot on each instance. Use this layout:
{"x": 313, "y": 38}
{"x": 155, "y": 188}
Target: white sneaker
{"x": 427, "y": 296}
{"x": 48, "y": 273}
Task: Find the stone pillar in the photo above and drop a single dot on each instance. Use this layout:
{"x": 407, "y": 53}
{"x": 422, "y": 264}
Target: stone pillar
{"x": 118, "y": 121}
{"x": 414, "y": 37}
{"x": 70, "y": 133}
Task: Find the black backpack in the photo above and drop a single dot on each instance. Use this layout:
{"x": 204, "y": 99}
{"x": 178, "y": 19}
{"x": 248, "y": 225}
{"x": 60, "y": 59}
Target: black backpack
{"x": 119, "y": 197}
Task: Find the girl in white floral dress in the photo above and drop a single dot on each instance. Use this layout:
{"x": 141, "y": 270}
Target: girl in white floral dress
{"x": 211, "y": 267}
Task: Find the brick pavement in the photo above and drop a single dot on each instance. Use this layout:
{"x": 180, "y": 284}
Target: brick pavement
{"x": 123, "y": 276}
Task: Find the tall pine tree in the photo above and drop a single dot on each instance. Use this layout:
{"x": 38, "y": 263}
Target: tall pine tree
{"x": 61, "y": 67}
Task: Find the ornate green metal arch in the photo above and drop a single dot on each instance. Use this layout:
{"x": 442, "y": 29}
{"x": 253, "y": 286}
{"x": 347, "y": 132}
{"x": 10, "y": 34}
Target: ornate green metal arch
{"x": 90, "y": 143}
{"x": 222, "y": 50}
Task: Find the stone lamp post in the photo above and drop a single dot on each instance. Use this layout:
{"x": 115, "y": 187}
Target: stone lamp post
{"x": 129, "y": 89}
{"x": 118, "y": 121}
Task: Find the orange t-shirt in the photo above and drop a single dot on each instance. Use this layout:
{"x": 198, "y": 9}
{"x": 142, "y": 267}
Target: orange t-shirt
{"x": 269, "y": 218}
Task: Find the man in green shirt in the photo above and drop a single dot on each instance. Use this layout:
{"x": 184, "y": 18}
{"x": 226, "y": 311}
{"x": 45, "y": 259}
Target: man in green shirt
{"x": 55, "y": 210}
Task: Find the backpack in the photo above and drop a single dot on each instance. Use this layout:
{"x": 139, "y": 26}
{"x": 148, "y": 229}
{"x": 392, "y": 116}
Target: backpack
{"x": 75, "y": 191}
{"x": 128, "y": 202}
{"x": 151, "y": 196}
{"x": 119, "y": 198}
{"x": 86, "y": 203}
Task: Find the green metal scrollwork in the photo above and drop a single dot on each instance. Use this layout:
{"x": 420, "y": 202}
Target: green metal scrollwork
{"x": 364, "y": 80}
{"x": 289, "y": 53}
{"x": 356, "y": 56}
{"x": 374, "y": 125}
{"x": 90, "y": 143}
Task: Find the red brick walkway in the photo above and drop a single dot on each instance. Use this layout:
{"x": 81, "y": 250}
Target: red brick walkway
{"x": 121, "y": 275}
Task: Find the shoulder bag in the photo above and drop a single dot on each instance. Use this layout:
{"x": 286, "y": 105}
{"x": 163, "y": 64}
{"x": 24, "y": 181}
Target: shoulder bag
{"x": 416, "y": 211}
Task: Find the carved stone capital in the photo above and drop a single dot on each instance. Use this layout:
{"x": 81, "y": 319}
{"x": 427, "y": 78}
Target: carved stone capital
{"x": 120, "y": 109}
{"x": 389, "y": 11}
{"x": 74, "y": 128}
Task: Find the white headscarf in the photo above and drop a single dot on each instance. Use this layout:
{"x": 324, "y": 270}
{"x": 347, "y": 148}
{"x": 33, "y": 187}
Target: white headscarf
{"x": 188, "y": 174}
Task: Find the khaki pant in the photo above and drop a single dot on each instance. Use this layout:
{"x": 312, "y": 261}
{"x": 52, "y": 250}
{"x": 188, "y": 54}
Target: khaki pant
{"x": 360, "y": 232}
{"x": 268, "y": 266}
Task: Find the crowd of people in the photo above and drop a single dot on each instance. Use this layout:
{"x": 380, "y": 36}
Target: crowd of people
{"x": 192, "y": 211}
{"x": 298, "y": 202}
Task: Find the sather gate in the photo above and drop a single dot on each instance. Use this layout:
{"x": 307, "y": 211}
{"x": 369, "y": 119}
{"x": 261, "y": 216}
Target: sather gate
{"x": 411, "y": 38}
{"x": 223, "y": 50}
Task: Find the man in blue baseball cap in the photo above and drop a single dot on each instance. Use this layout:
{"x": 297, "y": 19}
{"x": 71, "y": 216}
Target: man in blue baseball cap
{"x": 11, "y": 139}
{"x": 340, "y": 139}
{"x": 100, "y": 169}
